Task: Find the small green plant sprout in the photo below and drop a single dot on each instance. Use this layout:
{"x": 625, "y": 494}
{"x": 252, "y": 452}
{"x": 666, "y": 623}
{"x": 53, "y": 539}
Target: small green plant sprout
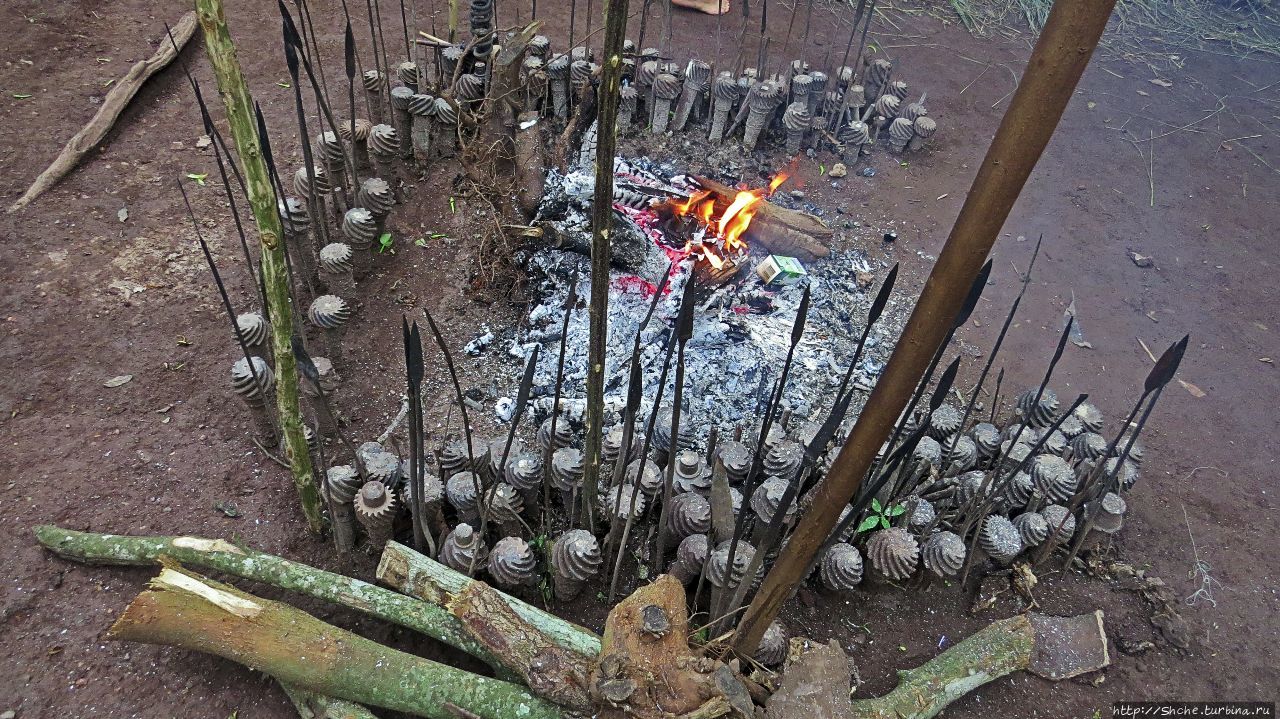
{"x": 880, "y": 516}
{"x": 199, "y": 177}
{"x": 385, "y": 242}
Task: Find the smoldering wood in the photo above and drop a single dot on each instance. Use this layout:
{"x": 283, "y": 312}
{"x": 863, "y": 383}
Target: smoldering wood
{"x": 630, "y": 248}
{"x": 778, "y": 229}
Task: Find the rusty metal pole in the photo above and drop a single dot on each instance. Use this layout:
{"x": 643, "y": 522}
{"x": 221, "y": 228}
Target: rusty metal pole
{"x": 1057, "y": 62}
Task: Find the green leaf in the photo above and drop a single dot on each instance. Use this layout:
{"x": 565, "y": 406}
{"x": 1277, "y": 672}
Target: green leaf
{"x": 384, "y": 242}
{"x": 868, "y": 524}
{"x": 199, "y": 177}
{"x": 884, "y": 522}
{"x": 420, "y": 242}
{"x": 453, "y": 207}
{"x": 284, "y": 84}
{"x": 896, "y": 510}
{"x": 20, "y": 96}
{"x": 875, "y": 505}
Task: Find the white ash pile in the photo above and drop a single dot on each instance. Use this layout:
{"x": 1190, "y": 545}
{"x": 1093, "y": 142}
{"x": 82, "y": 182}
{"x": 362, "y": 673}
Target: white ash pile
{"x": 741, "y": 333}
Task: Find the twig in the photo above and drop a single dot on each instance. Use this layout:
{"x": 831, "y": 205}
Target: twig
{"x": 270, "y": 456}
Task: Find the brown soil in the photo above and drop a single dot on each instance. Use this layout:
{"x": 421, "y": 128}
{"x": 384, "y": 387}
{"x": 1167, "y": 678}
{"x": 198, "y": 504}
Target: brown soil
{"x": 88, "y": 297}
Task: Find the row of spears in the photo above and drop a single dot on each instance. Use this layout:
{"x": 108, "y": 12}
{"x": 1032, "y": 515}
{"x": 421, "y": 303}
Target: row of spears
{"x": 953, "y": 488}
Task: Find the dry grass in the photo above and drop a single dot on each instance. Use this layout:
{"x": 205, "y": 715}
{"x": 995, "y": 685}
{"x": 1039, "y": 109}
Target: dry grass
{"x": 1140, "y": 28}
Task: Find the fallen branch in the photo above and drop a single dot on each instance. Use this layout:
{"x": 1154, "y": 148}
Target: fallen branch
{"x": 112, "y": 107}
{"x": 428, "y": 580}
{"x": 217, "y": 554}
{"x": 185, "y": 610}
{"x": 999, "y": 649}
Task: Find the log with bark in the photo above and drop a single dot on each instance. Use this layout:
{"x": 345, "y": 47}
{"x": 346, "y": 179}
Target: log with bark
{"x": 220, "y": 555}
{"x": 185, "y": 610}
{"x": 318, "y": 706}
{"x": 428, "y": 580}
{"x": 780, "y": 230}
{"x": 113, "y": 106}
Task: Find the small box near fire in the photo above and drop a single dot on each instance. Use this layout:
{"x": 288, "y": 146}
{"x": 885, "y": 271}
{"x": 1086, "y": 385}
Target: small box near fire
{"x": 780, "y": 270}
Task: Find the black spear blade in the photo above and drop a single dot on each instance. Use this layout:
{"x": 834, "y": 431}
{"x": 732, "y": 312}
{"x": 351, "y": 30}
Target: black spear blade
{"x": 265, "y": 141}
{"x": 349, "y": 51}
{"x": 1167, "y": 366}
{"x": 415, "y": 356}
{"x": 975, "y": 293}
{"x": 944, "y": 384}
{"x": 802, "y": 314}
{"x": 828, "y": 429}
{"x": 684, "y": 321}
{"x": 290, "y": 55}
{"x": 305, "y": 365}
{"x": 882, "y": 297}
{"x": 291, "y": 35}
{"x": 633, "y": 382}
{"x": 526, "y": 382}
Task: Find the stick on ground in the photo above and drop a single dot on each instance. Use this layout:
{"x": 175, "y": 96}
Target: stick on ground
{"x": 112, "y": 107}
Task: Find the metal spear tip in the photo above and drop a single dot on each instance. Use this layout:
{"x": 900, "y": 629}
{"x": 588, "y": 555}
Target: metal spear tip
{"x": 1167, "y": 366}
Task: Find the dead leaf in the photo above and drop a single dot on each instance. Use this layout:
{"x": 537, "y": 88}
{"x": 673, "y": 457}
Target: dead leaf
{"x": 123, "y": 214}
{"x": 117, "y": 380}
{"x": 1091, "y": 104}
{"x": 203, "y": 142}
{"x": 1194, "y": 390}
{"x": 1161, "y": 82}
{"x": 1144, "y": 93}
{"x": 1268, "y": 360}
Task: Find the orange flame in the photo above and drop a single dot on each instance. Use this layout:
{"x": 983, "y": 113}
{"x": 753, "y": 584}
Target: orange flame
{"x": 734, "y": 221}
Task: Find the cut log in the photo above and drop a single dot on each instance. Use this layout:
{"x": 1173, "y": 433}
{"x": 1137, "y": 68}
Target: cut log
{"x": 776, "y": 228}
{"x": 112, "y": 107}
{"x": 428, "y": 580}
{"x": 218, "y": 554}
{"x": 185, "y": 610}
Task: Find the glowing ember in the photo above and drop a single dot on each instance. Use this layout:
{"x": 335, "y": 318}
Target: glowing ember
{"x": 733, "y": 222}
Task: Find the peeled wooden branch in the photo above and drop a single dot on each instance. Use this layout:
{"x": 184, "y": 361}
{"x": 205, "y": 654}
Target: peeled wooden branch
{"x": 112, "y": 107}
{"x": 185, "y": 610}
{"x": 434, "y": 583}
{"x": 218, "y": 554}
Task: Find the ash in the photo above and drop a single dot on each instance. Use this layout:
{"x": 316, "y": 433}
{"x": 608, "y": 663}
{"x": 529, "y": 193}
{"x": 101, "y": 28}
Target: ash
{"x": 741, "y": 335}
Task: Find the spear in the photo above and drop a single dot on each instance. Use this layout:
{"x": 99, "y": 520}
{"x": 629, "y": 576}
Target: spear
{"x": 1159, "y": 376}
{"x": 893, "y": 461}
{"x": 222, "y": 292}
{"x": 404, "y": 22}
{"x": 873, "y": 316}
{"x": 570, "y": 301}
{"x": 312, "y": 374}
{"x": 522, "y": 401}
{"x": 318, "y": 89}
{"x": 995, "y": 395}
{"x": 349, "y": 53}
{"x": 308, "y": 160}
{"x": 753, "y": 475}
{"x": 462, "y": 408}
{"x": 970, "y": 302}
{"x": 763, "y": 50}
{"x": 1013, "y": 442}
{"x": 684, "y": 331}
{"x": 274, "y": 176}
{"x": 413, "y": 379}
{"x": 995, "y": 348}
{"x": 379, "y": 42}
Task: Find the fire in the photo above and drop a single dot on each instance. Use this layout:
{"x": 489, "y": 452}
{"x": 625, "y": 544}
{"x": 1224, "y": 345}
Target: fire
{"x": 736, "y": 218}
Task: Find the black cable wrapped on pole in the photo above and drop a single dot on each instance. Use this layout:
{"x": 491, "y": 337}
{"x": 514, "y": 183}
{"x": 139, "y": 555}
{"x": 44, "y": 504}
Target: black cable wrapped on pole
{"x": 1067, "y": 42}
{"x": 615, "y": 28}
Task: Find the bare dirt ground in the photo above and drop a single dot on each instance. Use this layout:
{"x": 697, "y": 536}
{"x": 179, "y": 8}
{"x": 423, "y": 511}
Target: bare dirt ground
{"x": 1185, "y": 174}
